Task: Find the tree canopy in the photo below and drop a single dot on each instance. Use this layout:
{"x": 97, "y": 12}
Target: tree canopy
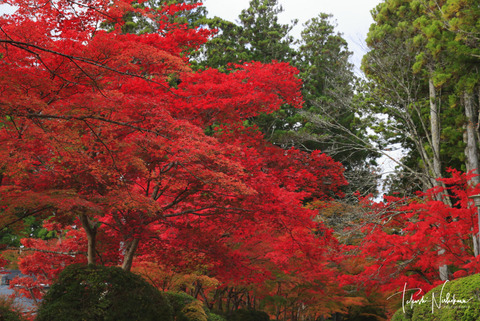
{"x": 214, "y": 158}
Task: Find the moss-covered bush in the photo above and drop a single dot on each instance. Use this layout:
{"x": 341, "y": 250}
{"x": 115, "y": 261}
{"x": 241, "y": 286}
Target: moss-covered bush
{"x": 457, "y": 300}
{"x": 248, "y": 315}
{"x": 401, "y": 316}
{"x": 98, "y": 293}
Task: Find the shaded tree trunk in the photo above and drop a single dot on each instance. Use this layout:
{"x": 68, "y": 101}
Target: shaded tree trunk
{"x": 90, "y": 228}
{"x": 435, "y": 132}
{"x": 471, "y": 150}
{"x": 130, "y": 248}
{"x": 471, "y": 154}
{"x": 437, "y": 165}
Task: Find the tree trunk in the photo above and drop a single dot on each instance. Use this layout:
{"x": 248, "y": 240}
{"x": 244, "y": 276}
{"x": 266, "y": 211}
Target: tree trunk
{"x": 471, "y": 154}
{"x": 91, "y": 231}
{"x": 475, "y": 243}
{"x": 471, "y": 150}
{"x": 437, "y": 165}
{"x": 435, "y": 132}
{"x": 208, "y": 303}
{"x": 130, "y": 249}
{"x": 443, "y": 269}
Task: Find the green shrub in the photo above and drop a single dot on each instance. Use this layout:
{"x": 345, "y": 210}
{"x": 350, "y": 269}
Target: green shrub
{"x": 187, "y": 308}
{"x": 9, "y": 315}
{"x": 248, "y": 315}
{"x": 401, "y": 316}
{"x": 192, "y": 312}
{"x": 97, "y": 293}
{"x": 465, "y": 289}
{"x": 8, "y": 311}
{"x": 215, "y": 317}
{"x": 178, "y": 300}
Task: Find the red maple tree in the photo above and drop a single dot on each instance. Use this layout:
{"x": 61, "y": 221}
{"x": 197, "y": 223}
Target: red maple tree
{"x": 95, "y": 134}
{"x": 408, "y": 239}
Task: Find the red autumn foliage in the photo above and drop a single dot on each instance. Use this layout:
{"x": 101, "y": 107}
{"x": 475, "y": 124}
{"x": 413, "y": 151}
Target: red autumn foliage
{"x": 407, "y": 240}
{"x": 92, "y": 128}
{"x": 95, "y": 134}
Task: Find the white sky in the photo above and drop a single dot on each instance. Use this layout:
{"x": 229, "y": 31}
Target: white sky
{"x": 352, "y": 16}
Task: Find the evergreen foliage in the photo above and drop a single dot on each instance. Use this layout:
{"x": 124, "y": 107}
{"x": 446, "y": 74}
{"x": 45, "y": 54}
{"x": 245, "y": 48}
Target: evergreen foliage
{"x": 102, "y": 293}
{"x": 178, "y": 300}
{"x": 258, "y": 36}
{"x": 330, "y": 118}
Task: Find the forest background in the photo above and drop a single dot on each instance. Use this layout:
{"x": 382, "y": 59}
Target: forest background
{"x": 235, "y": 163}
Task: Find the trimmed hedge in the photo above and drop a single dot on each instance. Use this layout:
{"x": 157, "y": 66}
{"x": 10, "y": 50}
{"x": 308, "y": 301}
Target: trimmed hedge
{"x": 98, "y": 293}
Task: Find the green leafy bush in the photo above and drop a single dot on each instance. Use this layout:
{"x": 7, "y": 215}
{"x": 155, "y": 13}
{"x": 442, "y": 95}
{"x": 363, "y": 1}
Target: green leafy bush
{"x": 97, "y": 293}
{"x": 178, "y": 300}
{"x": 187, "y": 308}
{"x": 193, "y": 312}
{"x": 8, "y": 311}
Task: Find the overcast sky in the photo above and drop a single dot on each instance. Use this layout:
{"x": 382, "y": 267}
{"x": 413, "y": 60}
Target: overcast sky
{"x": 352, "y": 16}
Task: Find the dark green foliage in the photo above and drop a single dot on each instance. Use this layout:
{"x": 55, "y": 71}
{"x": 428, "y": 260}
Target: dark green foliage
{"x": 103, "y": 293}
{"x": 223, "y": 49}
{"x": 258, "y": 37}
{"x": 323, "y": 60}
{"x": 8, "y": 312}
{"x": 330, "y": 119}
{"x": 31, "y": 227}
{"x": 178, "y": 300}
{"x": 187, "y": 308}
{"x": 267, "y": 39}
{"x": 248, "y": 315}
{"x": 215, "y": 317}
{"x": 34, "y": 228}
{"x": 193, "y": 311}
{"x": 9, "y": 315}
{"x": 9, "y": 238}
{"x": 365, "y": 313}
